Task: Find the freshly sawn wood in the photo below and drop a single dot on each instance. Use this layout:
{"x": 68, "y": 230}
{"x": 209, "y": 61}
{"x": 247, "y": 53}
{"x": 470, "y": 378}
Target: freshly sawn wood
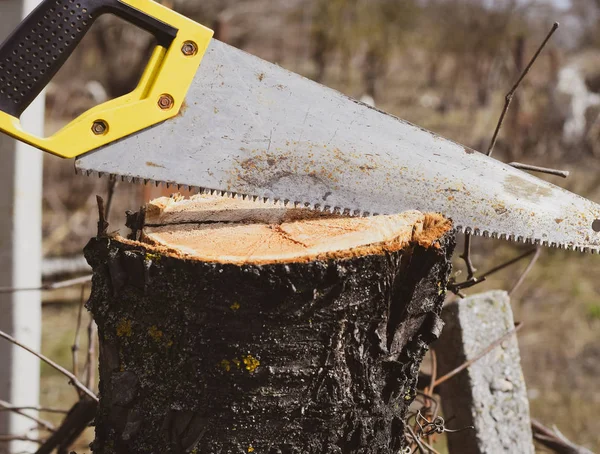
{"x": 228, "y": 326}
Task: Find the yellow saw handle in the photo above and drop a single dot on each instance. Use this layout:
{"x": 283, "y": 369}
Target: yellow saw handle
{"x": 38, "y": 48}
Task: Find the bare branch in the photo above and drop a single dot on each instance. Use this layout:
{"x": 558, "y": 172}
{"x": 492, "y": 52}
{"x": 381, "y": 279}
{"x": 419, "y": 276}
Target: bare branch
{"x": 49, "y": 286}
{"x": 509, "y": 263}
{"x": 38, "y": 408}
{"x": 415, "y": 438}
{"x": 480, "y": 355}
{"x": 112, "y": 184}
{"x": 89, "y": 362}
{"x": 73, "y": 379}
{"x": 75, "y": 346}
{"x": 9, "y": 438}
{"x": 529, "y": 167}
{"x": 555, "y": 440}
{"x": 79, "y": 417}
{"x": 466, "y": 256}
{"x": 41, "y": 422}
{"x": 524, "y": 274}
{"x": 512, "y": 91}
{"x": 102, "y": 223}
{"x": 455, "y": 288}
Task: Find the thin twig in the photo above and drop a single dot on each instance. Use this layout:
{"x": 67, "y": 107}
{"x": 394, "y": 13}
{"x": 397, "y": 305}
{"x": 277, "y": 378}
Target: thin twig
{"x": 509, "y": 263}
{"x": 416, "y": 439}
{"x": 38, "y": 408}
{"x": 112, "y": 184}
{"x": 50, "y": 285}
{"x": 433, "y": 370}
{"x": 41, "y": 422}
{"x": 9, "y": 438}
{"x": 73, "y": 379}
{"x": 428, "y": 398}
{"x": 531, "y": 168}
{"x": 525, "y": 272}
{"x": 555, "y": 440}
{"x": 78, "y": 419}
{"x": 455, "y": 288}
{"x": 89, "y": 362}
{"x": 511, "y": 93}
{"x": 480, "y": 355}
{"x": 466, "y": 256}
{"x": 102, "y": 224}
{"x": 75, "y": 346}
{"x": 431, "y": 449}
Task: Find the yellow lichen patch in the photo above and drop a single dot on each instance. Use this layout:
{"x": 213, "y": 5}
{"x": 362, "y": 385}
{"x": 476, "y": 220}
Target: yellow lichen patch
{"x": 250, "y": 448}
{"x": 225, "y": 365}
{"x": 155, "y": 333}
{"x": 235, "y": 306}
{"x": 251, "y": 363}
{"x": 152, "y": 257}
{"x": 441, "y": 288}
{"x": 124, "y": 328}
{"x": 159, "y": 337}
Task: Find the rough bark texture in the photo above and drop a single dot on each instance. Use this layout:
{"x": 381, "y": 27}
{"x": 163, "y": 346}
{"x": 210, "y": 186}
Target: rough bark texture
{"x": 303, "y": 358}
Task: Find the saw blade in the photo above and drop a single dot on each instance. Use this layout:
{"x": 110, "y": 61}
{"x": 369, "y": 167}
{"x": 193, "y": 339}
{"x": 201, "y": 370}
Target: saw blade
{"x": 250, "y": 127}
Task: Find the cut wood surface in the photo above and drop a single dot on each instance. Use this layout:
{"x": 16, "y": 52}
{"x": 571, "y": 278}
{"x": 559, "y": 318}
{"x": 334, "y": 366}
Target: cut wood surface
{"x": 240, "y": 231}
{"x": 228, "y": 326}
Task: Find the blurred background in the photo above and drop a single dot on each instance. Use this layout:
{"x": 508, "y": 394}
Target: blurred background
{"x": 445, "y": 65}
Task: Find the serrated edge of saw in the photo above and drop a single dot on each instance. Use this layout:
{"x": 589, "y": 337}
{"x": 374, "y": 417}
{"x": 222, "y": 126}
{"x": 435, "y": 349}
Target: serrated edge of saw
{"x": 334, "y": 210}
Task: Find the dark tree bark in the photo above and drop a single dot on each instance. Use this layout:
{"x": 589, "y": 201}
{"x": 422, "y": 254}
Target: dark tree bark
{"x": 303, "y": 356}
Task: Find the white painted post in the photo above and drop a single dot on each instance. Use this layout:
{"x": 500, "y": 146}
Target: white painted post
{"x": 20, "y": 258}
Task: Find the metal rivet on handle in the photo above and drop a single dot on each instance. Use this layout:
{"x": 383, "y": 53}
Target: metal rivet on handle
{"x": 596, "y": 225}
{"x": 100, "y": 127}
{"x": 166, "y": 102}
{"x": 189, "y": 48}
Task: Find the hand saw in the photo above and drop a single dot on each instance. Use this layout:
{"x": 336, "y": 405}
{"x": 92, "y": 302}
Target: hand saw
{"x": 208, "y": 116}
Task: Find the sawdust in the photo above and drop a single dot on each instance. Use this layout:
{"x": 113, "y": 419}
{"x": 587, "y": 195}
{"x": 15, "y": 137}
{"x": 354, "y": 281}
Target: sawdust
{"x": 224, "y": 230}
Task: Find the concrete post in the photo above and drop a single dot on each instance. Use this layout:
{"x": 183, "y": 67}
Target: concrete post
{"x": 20, "y": 257}
{"x": 490, "y": 395}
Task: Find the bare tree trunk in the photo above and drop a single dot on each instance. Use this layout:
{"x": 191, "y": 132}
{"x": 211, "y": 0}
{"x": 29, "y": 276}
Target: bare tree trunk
{"x": 232, "y": 327}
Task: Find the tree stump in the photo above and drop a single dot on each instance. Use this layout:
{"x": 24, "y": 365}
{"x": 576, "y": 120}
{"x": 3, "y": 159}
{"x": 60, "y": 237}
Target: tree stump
{"x": 228, "y": 326}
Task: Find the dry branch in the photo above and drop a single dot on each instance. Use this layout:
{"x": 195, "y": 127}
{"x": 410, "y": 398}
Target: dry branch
{"x": 50, "y": 286}
{"x": 554, "y": 440}
{"x": 511, "y": 93}
{"x": 73, "y": 379}
{"x": 41, "y": 422}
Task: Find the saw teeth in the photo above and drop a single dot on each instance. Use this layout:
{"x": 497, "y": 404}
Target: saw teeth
{"x": 334, "y": 210}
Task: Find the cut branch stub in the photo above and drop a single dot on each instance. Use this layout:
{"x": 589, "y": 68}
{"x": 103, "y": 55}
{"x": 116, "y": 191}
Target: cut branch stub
{"x": 233, "y": 326}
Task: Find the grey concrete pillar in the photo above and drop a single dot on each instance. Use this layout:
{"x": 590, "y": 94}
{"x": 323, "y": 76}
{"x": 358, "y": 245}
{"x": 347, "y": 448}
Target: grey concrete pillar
{"x": 490, "y": 395}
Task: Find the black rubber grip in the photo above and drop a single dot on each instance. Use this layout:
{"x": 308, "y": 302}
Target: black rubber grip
{"x": 38, "y": 48}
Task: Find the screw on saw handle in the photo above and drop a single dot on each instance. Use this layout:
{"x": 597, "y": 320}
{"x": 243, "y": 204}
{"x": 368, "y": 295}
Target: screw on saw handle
{"x": 38, "y": 48}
